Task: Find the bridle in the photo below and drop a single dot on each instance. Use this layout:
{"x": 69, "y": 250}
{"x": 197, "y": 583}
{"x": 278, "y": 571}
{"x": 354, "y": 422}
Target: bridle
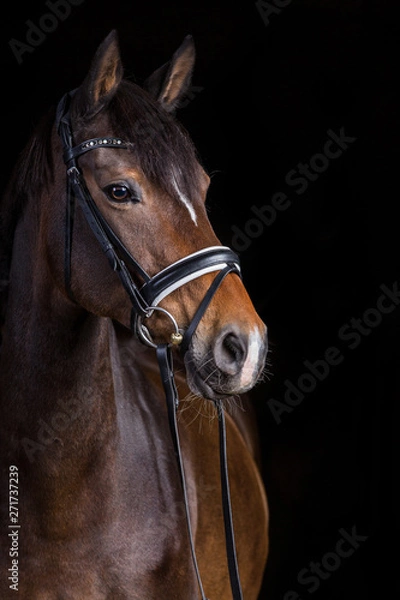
{"x": 145, "y": 300}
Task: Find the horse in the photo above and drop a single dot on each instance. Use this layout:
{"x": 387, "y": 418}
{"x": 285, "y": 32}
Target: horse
{"x": 92, "y": 505}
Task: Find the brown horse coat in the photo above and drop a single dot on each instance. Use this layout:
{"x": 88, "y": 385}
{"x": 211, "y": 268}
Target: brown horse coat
{"x": 83, "y": 423}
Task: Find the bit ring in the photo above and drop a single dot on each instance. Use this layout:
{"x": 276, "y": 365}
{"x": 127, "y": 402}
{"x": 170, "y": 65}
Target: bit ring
{"x": 144, "y": 334}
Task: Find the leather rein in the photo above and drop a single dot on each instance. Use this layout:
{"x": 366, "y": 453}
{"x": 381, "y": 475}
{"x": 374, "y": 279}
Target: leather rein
{"x": 144, "y": 300}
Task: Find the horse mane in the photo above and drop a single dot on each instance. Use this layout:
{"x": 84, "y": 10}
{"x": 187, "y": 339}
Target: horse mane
{"x": 31, "y": 172}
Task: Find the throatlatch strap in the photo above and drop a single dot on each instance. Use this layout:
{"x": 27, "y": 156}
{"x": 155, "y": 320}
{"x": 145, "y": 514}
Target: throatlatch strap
{"x": 69, "y": 229}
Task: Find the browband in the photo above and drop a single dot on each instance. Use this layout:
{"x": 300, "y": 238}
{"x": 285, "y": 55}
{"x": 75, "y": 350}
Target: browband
{"x": 92, "y": 144}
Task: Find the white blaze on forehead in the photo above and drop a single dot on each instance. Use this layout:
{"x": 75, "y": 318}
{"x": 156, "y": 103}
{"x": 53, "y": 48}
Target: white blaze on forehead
{"x": 185, "y": 200}
{"x": 251, "y": 363}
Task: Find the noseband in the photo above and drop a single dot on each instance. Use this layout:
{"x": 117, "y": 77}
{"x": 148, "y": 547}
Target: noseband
{"x": 145, "y": 300}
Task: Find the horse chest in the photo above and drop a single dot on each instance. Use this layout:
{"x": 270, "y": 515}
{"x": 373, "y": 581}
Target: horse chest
{"x": 135, "y": 550}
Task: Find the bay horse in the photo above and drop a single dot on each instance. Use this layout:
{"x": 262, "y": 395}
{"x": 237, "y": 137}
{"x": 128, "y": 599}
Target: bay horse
{"x": 91, "y": 497}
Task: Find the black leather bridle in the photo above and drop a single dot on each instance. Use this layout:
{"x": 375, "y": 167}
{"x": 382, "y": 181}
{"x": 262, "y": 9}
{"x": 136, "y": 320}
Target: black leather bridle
{"x": 145, "y": 300}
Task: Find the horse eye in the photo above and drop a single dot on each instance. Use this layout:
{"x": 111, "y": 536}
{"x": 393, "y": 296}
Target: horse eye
{"x": 120, "y": 193}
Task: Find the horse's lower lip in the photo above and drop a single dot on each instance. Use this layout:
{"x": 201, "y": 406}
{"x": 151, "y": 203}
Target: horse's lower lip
{"x": 201, "y": 388}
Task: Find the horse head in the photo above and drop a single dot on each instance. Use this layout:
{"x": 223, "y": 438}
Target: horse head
{"x": 151, "y": 192}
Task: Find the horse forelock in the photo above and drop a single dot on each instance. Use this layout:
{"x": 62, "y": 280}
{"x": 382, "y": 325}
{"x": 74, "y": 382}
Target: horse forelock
{"x": 159, "y": 144}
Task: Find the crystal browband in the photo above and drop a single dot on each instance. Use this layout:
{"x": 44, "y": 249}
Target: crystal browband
{"x": 92, "y": 144}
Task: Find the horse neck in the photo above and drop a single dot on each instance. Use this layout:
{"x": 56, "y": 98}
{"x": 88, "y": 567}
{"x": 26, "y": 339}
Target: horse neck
{"x": 55, "y": 360}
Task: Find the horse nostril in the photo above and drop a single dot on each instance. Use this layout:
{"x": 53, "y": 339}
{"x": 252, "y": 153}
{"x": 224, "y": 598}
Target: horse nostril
{"x": 230, "y": 352}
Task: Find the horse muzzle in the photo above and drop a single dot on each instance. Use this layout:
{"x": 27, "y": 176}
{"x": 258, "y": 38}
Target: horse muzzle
{"x": 230, "y": 364}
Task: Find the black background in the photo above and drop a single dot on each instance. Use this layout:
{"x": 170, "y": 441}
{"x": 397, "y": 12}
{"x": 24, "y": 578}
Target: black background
{"x": 265, "y": 96}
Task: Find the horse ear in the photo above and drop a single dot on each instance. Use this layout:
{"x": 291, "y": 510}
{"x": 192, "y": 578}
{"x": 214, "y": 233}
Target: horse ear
{"x": 169, "y": 83}
{"x": 102, "y": 81}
